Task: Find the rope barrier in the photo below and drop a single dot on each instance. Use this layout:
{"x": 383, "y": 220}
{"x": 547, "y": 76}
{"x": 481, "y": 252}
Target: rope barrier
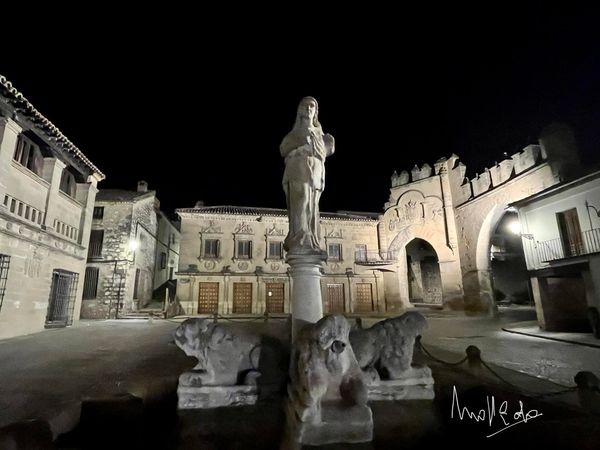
{"x": 474, "y": 359}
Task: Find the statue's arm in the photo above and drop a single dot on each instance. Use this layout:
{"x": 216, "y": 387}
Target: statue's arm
{"x": 329, "y": 141}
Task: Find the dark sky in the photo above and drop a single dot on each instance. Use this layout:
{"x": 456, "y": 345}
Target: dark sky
{"x": 197, "y": 106}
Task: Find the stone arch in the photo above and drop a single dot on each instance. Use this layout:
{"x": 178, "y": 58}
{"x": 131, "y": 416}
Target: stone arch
{"x": 479, "y": 286}
{"x": 423, "y": 273}
{"x": 449, "y": 266}
{"x": 489, "y": 224}
{"x": 431, "y": 236}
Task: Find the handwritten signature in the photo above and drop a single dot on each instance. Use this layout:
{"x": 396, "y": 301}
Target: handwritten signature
{"x": 490, "y": 412}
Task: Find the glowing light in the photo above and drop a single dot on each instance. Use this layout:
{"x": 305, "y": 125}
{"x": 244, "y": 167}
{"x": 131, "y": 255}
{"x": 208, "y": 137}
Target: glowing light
{"x": 515, "y": 227}
{"x": 133, "y": 245}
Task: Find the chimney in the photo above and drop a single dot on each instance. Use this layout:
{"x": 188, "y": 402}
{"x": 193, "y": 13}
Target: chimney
{"x": 142, "y": 186}
{"x": 199, "y": 204}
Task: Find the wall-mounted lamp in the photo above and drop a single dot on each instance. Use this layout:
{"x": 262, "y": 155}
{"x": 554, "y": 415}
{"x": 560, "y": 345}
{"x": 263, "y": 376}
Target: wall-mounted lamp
{"x": 587, "y": 205}
{"x": 515, "y": 228}
{"x": 134, "y": 245}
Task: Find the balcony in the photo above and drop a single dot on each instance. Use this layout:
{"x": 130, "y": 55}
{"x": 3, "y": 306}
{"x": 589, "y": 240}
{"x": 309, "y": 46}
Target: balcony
{"x": 555, "y": 249}
{"x": 375, "y": 258}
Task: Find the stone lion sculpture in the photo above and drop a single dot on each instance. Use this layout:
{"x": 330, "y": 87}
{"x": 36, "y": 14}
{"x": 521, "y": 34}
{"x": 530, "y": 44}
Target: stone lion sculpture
{"x": 323, "y": 367}
{"x": 385, "y": 351}
{"x": 225, "y": 356}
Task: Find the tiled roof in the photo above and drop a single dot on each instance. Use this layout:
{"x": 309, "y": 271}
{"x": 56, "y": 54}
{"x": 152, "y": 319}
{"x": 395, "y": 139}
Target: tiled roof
{"x": 119, "y": 195}
{"x": 251, "y": 211}
{"x": 42, "y": 124}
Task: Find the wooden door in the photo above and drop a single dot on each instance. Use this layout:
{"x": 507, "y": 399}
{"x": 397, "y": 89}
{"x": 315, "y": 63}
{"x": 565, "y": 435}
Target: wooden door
{"x": 335, "y": 298}
{"x": 570, "y": 232}
{"x": 275, "y": 297}
{"x": 208, "y": 298}
{"x": 364, "y": 298}
{"x": 242, "y": 298}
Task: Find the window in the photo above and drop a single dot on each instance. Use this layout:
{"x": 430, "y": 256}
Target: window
{"x": 95, "y": 248}
{"x": 244, "y": 249}
{"x": 4, "y": 263}
{"x": 361, "y": 253}
{"x": 211, "y": 248}
{"x": 163, "y": 260}
{"x": 275, "y": 250}
{"x": 63, "y": 290}
{"x": 98, "y": 212}
{"x": 90, "y": 284}
{"x": 68, "y": 183}
{"x": 334, "y": 252}
{"x": 29, "y": 155}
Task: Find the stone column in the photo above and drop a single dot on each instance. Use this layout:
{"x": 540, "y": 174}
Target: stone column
{"x": 307, "y": 303}
{"x": 86, "y": 195}
{"x": 52, "y": 173}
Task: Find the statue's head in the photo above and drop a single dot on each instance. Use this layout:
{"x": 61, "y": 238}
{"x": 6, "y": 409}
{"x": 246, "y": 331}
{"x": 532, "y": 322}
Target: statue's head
{"x": 332, "y": 333}
{"x": 308, "y": 109}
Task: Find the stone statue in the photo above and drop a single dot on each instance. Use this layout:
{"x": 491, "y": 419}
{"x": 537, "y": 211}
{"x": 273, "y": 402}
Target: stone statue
{"x": 304, "y": 150}
{"x": 234, "y": 366}
{"x": 385, "y": 351}
{"x": 323, "y": 367}
{"x": 225, "y": 357}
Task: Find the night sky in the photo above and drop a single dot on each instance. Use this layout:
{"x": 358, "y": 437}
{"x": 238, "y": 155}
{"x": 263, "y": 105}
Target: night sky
{"x": 199, "y": 112}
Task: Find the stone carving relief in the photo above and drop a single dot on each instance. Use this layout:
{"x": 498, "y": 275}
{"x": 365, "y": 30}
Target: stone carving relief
{"x": 414, "y": 208}
{"x": 333, "y": 233}
{"x": 243, "y": 265}
{"x": 274, "y": 231}
{"x": 209, "y": 265}
{"x": 211, "y": 228}
{"x": 243, "y": 228}
{"x": 33, "y": 262}
{"x": 275, "y": 266}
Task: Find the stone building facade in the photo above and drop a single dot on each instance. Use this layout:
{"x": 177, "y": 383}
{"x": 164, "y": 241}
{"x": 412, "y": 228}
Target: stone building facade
{"x": 233, "y": 262}
{"x": 134, "y": 250}
{"x": 47, "y": 194}
{"x": 560, "y": 229}
{"x": 430, "y": 247}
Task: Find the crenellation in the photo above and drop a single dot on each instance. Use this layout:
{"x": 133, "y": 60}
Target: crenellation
{"x": 422, "y": 173}
{"x": 481, "y": 183}
{"x": 527, "y": 158}
{"x": 501, "y": 172}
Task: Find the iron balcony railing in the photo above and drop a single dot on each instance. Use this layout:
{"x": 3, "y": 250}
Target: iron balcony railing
{"x": 375, "y": 257}
{"x": 554, "y": 249}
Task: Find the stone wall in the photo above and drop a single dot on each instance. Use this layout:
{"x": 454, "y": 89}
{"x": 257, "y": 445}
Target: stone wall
{"x": 41, "y": 230}
{"x": 124, "y": 222}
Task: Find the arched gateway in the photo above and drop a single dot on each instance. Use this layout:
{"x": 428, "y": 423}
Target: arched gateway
{"x": 457, "y": 218}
